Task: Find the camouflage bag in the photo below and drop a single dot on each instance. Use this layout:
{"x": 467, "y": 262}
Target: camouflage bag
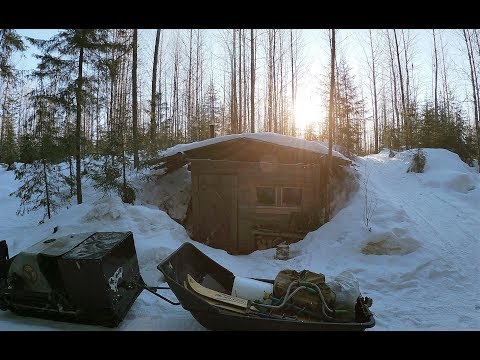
{"x": 304, "y": 298}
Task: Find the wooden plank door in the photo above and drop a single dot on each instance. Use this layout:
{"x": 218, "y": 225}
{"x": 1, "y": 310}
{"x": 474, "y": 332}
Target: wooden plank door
{"x": 215, "y": 212}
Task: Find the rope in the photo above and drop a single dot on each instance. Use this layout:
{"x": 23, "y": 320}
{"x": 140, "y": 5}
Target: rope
{"x": 289, "y": 295}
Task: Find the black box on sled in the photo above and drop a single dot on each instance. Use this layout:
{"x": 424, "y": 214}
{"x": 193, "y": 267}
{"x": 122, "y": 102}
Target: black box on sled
{"x": 90, "y": 278}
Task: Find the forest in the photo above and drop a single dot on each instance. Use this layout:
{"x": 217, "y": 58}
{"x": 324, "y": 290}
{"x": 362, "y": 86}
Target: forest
{"x": 102, "y": 101}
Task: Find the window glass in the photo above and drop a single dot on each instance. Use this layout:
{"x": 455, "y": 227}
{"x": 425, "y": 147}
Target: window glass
{"x": 265, "y": 196}
{"x": 291, "y": 197}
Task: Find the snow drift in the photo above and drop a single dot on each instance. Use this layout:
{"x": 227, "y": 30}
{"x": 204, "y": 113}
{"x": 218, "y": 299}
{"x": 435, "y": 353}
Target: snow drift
{"x": 417, "y": 260}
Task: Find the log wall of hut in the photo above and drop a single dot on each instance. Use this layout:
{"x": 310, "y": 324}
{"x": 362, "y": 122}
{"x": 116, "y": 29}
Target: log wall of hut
{"x": 227, "y": 213}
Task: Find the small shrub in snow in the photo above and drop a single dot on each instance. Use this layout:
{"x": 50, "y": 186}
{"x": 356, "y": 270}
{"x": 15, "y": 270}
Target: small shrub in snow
{"x": 42, "y": 187}
{"x": 418, "y": 162}
{"x": 12, "y": 167}
{"x": 128, "y": 195}
{"x": 370, "y": 203}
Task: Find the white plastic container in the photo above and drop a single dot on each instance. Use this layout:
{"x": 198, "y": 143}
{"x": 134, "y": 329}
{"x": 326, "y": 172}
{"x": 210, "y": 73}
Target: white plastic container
{"x": 250, "y": 289}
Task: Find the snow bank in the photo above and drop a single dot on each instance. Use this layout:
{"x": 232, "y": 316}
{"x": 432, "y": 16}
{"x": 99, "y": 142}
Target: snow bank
{"x": 445, "y": 169}
{"x": 418, "y": 262}
{"x": 170, "y": 192}
{"x": 105, "y": 209}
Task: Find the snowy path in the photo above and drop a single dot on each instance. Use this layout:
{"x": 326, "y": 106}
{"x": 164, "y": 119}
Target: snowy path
{"x": 449, "y": 231}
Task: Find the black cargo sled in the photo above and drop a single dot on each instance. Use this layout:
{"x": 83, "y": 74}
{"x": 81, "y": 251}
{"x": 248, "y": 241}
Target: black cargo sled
{"x": 204, "y": 288}
{"x": 90, "y": 278}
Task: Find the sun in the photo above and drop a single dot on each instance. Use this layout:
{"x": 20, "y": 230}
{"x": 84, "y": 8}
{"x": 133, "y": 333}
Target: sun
{"x": 307, "y": 111}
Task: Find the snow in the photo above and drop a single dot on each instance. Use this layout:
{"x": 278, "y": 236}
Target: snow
{"x": 170, "y": 192}
{"x": 270, "y": 137}
{"x": 417, "y": 260}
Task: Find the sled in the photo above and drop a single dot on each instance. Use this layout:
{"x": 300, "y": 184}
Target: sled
{"x": 91, "y": 278}
{"x": 204, "y": 287}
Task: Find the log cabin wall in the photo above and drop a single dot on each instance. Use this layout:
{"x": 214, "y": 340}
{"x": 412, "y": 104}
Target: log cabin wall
{"x": 226, "y": 210}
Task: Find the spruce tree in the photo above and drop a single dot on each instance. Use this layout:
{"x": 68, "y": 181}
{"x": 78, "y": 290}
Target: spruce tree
{"x": 8, "y": 146}
{"x": 10, "y": 42}
{"x": 43, "y": 184}
{"x": 68, "y": 52}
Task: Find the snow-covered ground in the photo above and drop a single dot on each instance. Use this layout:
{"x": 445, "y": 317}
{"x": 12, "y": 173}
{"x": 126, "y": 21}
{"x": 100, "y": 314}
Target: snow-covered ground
{"x": 418, "y": 259}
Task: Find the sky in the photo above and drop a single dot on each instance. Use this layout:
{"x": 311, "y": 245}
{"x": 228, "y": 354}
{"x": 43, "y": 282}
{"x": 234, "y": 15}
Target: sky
{"x": 351, "y": 43}
{"x": 417, "y": 259}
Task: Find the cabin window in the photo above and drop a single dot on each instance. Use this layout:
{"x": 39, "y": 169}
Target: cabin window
{"x": 266, "y": 196}
{"x": 291, "y": 197}
{"x": 279, "y": 196}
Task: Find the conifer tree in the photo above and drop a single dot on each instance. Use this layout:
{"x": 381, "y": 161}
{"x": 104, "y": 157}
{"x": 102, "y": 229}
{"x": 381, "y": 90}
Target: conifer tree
{"x": 42, "y": 179}
{"x": 10, "y": 42}
{"x": 68, "y": 52}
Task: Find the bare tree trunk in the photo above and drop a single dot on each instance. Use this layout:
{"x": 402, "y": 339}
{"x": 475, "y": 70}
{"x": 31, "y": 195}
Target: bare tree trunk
{"x": 134, "y": 101}
{"x": 293, "y": 81}
{"x": 404, "y": 115}
{"x": 78, "y": 130}
{"x": 223, "y": 107}
{"x": 436, "y": 76}
{"x": 153, "y": 106}
{"x": 274, "y": 79}
{"x": 475, "y": 76}
{"x": 189, "y": 87}
{"x": 330, "y": 128}
{"x": 252, "y": 82}
{"x": 245, "y": 88}
{"x": 270, "y": 80}
{"x": 47, "y": 192}
{"x": 407, "y": 75}
{"x": 240, "y": 120}
{"x": 160, "y": 93}
{"x": 474, "y": 91}
{"x": 385, "y": 126}
{"x": 446, "y": 95}
{"x": 97, "y": 120}
{"x": 175, "y": 107}
{"x": 394, "y": 81}
{"x": 198, "y": 86}
{"x": 281, "y": 92}
{"x": 4, "y": 109}
{"x": 375, "y": 109}
{"x": 234, "y": 88}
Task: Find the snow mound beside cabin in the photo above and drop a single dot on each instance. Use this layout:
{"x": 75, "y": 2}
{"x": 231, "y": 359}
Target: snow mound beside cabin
{"x": 445, "y": 169}
{"x": 170, "y": 192}
{"x": 105, "y": 209}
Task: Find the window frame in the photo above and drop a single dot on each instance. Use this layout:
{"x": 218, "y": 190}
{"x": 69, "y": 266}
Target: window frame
{"x": 279, "y": 197}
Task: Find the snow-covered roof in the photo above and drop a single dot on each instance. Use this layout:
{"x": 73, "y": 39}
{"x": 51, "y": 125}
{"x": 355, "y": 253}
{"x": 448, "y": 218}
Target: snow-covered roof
{"x": 274, "y": 138}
